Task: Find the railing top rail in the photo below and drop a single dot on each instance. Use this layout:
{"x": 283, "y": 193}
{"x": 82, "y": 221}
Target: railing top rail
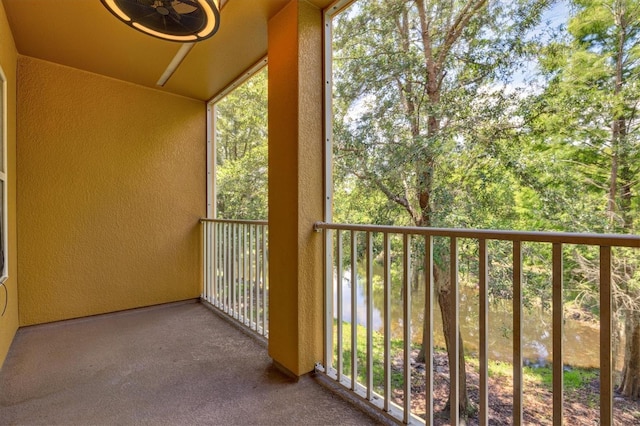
{"x": 236, "y": 221}
{"x": 606, "y": 240}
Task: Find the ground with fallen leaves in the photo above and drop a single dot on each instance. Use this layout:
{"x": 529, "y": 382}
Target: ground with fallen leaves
{"x": 581, "y": 405}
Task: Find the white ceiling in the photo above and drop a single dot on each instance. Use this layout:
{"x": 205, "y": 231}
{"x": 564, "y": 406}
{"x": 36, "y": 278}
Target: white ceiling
{"x": 82, "y": 34}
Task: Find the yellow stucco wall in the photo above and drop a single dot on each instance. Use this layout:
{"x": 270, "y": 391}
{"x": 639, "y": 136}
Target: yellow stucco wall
{"x": 295, "y": 187}
{"x": 8, "y": 59}
{"x": 111, "y": 180}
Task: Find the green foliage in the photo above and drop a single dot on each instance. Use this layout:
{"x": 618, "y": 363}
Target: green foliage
{"x": 482, "y": 150}
{"x": 588, "y": 111}
{"x": 241, "y": 151}
{"x": 502, "y": 122}
{"x": 573, "y": 378}
{"x": 396, "y": 345}
{"x": 403, "y": 135}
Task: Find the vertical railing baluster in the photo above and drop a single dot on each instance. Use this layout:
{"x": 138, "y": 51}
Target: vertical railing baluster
{"x": 207, "y": 260}
{"x": 406, "y": 323}
{"x": 212, "y": 263}
{"x": 339, "y": 304}
{"x": 205, "y": 252}
{"x": 265, "y": 296}
{"x": 256, "y": 283}
{"x": 557, "y": 320}
{"x": 369, "y": 296}
{"x": 328, "y": 301}
{"x": 238, "y": 245}
{"x": 428, "y": 335}
{"x": 227, "y": 261}
{"x": 252, "y": 257}
{"x": 238, "y": 301}
{"x": 213, "y": 249}
{"x": 256, "y": 278}
{"x": 227, "y": 266}
{"x": 517, "y": 333}
{"x": 218, "y": 271}
{"x": 454, "y": 370}
{"x": 240, "y": 277}
{"x": 232, "y": 273}
{"x": 387, "y": 322}
{"x": 606, "y": 331}
{"x": 234, "y": 282}
{"x": 216, "y": 265}
{"x": 240, "y": 270}
{"x": 484, "y": 328}
{"x": 235, "y": 270}
{"x": 229, "y": 282}
{"x": 354, "y": 311}
{"x": 219, "y": 266}
{"x": 259, "y": 274}
{"x": 245, "y": 257}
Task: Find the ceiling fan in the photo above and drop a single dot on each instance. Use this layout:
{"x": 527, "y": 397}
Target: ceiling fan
{"x": 174, "y": 20}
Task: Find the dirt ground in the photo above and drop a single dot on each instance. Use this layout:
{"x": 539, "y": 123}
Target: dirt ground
{"x": 581, "y": 406}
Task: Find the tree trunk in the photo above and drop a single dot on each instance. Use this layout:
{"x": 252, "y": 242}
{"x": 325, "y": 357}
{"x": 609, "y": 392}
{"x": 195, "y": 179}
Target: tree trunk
{"x": 618, "y": 126}
{"x": 444, "y": 300}
{"x": 630, "y": 385}
{"x": 619, "y": 202}
{"x": 443, "y": 294}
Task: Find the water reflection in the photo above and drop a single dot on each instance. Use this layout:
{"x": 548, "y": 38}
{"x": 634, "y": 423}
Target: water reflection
{"x": 581, "y": 339}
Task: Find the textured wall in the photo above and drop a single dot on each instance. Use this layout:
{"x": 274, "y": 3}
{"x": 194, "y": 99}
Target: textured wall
{"x": 8, "y": 59}
{"x": 112, "y": 184}
{"x": 295, "y": 187}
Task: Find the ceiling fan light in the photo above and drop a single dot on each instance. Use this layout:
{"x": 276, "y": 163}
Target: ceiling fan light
{"x": 110, "y": 4}
{"x": 173, "y": 20}
{"x": 212, "y": 18}
{"x": 163, "y": 36}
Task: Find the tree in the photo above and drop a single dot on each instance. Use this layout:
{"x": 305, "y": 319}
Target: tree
{"x": 241, "y": 151}
{"x": 413, "y": 96}
{"x": 591, "y": 106}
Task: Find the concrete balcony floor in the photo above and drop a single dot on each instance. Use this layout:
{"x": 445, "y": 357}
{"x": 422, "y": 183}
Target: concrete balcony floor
{"x": 174, "y": 364}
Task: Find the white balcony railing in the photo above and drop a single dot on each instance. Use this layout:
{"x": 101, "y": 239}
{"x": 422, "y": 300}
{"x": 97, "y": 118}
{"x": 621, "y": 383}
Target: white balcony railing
{"x": 236, "y": 270}
{"x": 353, "y": 251}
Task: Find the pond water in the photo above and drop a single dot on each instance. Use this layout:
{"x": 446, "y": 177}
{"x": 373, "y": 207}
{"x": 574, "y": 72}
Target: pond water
{"x": 581, "y": 338}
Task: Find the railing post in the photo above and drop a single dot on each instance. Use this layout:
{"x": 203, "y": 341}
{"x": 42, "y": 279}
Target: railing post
{"x": 234, "y": 284}
{"x": 219, "y": 264}
{"x": 339, "y": 304}
{"x": 557, "y": 320}
{"x": 517, "y": 333}
{"x": 428, "y": 336}
{"x": 387, "y": 322}
{"x": 606, "y": 332}
{"x": 454, "y": 338}
{"x": 265, "y": 286}
{"x": 205, "y": 255}
{"x": 354, "y": 311}
{"x": 369, "y": 296}
{"x": 483, "y": 408}
{"x": 328, "y": 300}
{"x": 406, "y": 324}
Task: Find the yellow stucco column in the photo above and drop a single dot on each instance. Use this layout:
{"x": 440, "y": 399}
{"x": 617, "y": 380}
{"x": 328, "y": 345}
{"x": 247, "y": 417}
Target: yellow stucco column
{"x": 295, "y": 187}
